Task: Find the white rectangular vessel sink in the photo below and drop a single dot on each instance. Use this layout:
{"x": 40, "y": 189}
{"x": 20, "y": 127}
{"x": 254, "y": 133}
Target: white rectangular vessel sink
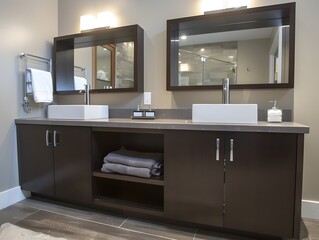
{"x": 224, "y": 113}
{"x": 78, "y": 111}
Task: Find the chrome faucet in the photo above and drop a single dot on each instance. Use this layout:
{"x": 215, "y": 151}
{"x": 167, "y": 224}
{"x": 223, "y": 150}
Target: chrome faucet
{"x": 225, "y": 91}
{"x": 87, "y": 94}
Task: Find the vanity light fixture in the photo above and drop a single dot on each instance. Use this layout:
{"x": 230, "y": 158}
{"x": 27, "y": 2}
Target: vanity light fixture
{"x": 101, "y": 21}
{"x": 105, "y": 19}
{"x": 87, "y": 22}
{"x": 209, "y": 6}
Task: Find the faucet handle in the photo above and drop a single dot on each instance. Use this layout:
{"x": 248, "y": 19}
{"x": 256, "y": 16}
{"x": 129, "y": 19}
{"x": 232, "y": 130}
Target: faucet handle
{"x": 225, "y": 92}
{"x": 275, "y": 103}
{"x": 87, "y": 94}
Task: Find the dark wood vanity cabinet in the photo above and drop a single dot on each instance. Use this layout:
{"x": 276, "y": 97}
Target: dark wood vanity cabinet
{"x": 241, "y": 181}
{"x": 194, "y": 181}
{"x": 35, "y": 160}
{"x": 55, "y": 161}
{"x": 249, "y": 182}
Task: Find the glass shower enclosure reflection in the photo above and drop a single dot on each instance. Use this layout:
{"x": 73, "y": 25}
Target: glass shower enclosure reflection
{"x": 207, "y": 64}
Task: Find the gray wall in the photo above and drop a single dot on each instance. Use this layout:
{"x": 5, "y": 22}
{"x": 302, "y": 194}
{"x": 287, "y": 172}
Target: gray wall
{"x": 306, "y": 90}
{"x": 25, "y": 26}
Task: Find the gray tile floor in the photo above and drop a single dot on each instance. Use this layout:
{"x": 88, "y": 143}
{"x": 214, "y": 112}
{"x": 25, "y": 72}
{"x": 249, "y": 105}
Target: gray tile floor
{"x": 73, "y": 223}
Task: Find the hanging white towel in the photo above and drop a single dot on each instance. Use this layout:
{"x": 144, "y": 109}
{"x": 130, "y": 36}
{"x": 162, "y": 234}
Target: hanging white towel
{"x": 79, "y": 83}
{"x": 42, "y": 88}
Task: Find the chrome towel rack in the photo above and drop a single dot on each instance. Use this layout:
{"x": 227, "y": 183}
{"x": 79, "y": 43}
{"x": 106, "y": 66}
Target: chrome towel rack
{"x": 26, "y": 57}
{"x": 82, "y": 70}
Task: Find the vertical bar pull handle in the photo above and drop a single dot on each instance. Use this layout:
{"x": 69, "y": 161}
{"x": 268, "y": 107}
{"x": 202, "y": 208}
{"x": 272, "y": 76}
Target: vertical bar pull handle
{"x": 217, "y": 149}
{"x": 54, "y": 138}
{"x": 47, "y": 138}
{"x": 231, "y": 154}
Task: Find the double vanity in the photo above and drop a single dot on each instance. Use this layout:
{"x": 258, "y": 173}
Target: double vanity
{"x": 245, "y": 178}
{"x": 223, "y": 170}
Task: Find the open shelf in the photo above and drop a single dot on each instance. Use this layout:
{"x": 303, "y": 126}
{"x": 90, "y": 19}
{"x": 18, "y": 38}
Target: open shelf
{"x": 159, "y": 181}
{"x": 128, "y": 206}
{"x": 132, "y": 192}
{"x": 126, "y": 192}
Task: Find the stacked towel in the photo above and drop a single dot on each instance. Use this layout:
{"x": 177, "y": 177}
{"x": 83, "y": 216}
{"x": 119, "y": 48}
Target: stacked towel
{"x": 141, "y": 164}
{"x": 40, "y": 84}
{"x": 79, "y": 83}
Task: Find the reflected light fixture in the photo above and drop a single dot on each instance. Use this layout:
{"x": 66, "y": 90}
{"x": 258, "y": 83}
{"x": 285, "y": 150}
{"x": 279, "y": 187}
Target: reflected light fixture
{"x": 103, "y": 20}
{"x": 184, "y": 37}
{"x": 184, "y": 67}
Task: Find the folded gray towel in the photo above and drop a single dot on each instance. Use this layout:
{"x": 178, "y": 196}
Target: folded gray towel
{"x": 134, "y": 171}
{"x": 156, "y": 172}
{"x": 135, "y": 159}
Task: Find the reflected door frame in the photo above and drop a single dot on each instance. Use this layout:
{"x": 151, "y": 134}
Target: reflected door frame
{"x": 112, "y": 49}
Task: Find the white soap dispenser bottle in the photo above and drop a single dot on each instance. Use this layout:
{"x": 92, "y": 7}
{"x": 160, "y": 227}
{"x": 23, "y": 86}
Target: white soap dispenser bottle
{"x": 274, "y": 114}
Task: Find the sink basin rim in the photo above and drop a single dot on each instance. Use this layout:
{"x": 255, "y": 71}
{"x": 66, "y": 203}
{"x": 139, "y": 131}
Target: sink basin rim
{"x": 81, "y": 112}
{"x": 225, "y": 113}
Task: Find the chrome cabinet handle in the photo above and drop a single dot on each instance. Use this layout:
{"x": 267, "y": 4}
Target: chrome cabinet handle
{"x": 47, "y": 138}
{"x": 231, "y": 154}
{"x": 217, "y": 149}
{"x": 54, "y": 138}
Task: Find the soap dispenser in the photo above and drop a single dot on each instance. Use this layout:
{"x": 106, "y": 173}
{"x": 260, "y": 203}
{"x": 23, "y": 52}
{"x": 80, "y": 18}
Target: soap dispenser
{"x": 274, "y": 114}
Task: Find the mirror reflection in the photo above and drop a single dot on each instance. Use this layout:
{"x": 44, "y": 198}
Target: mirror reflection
{"x": 106, "y": 66}
{"x": 113, "y": 66}
{"x": 248, "y": 56}
{"x": 107, "y": 60}
{"x": 252, "y": 47}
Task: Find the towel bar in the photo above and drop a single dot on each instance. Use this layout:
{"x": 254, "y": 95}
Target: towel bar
{"x": 25, "y": 57}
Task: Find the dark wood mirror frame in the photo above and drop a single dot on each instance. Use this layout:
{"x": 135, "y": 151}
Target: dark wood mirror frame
{"x": 63, "y": 60}
{"x": 260, "y": 17}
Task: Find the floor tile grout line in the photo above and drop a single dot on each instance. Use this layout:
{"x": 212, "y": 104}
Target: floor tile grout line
{"x": 195, "y": 234}
{"x": 149, "y": 234}
{"x": 105, "y": 224}
{"x": 122, "y": 223}
{"x": 78, "y": 218}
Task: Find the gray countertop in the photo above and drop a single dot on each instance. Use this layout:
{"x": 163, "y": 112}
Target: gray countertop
{"x": 171, "y": 124}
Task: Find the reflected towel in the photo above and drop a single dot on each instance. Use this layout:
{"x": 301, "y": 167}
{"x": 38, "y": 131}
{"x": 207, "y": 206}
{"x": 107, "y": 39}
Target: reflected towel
{"x": 134, "y": 171}
{"x": 79, "y": 83}
{"x": 42, "y": 88}
{"x": 135, "y": 159}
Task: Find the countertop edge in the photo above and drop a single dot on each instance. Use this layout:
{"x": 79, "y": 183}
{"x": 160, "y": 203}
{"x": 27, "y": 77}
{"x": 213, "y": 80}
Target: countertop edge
{"x": 171, "y": 124}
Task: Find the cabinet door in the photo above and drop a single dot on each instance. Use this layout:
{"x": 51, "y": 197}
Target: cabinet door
{"x": 35, "y": 159}
{"x": 193, "y": 179}
{"x": 72, "y": 156}
{"x": 260, "y": 183}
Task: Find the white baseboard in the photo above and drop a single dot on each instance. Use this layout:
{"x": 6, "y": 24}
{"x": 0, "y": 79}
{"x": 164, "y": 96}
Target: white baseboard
{"x": 310, "y": 209}
{"x": 11, "y": 196}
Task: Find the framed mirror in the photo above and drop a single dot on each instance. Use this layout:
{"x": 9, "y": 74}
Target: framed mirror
{"x": 253, "y": 47}
{"x": 110, "y": 60}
